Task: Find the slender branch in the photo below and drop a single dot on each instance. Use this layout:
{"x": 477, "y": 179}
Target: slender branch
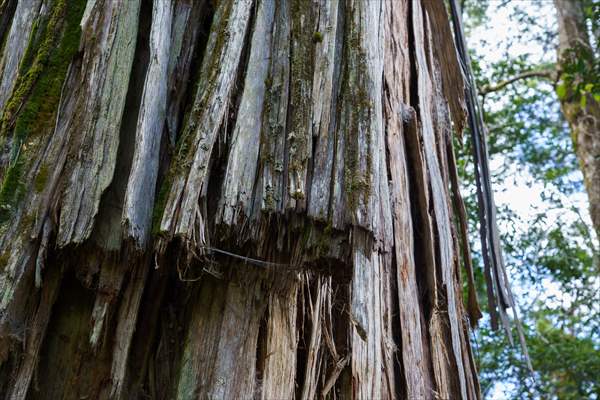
{"x": 541, "y": 73}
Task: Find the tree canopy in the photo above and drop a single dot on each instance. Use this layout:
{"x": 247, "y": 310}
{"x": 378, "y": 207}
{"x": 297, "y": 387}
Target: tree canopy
{"x": 547, "y": 235}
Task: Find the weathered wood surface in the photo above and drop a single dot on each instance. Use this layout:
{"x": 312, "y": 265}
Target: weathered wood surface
{"x": 397, "y": 97}
{"x": 139, "y": 199}
{"x": 234, "y": 199}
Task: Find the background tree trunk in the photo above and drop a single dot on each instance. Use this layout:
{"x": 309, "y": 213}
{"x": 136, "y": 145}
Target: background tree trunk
{"x": 583, "y": 116}
{"x": 231, "y": 199}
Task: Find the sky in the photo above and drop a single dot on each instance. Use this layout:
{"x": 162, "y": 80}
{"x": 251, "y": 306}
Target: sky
{"x": 521, "y": 194}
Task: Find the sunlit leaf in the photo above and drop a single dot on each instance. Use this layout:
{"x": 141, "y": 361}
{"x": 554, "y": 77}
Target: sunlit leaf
{"x": 561, "y": 90}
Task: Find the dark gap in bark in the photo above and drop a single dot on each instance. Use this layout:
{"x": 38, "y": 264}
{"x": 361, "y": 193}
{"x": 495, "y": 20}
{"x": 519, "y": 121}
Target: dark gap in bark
{"x": 65, "y": 353}
{"x": 309, "y": 172}
{"x": 304, "y": 327}
{"x": 175, "y": 316}
{"x": 419, "y": 250}
{"x": 8, "y": 369}
{"x": 146, "y": 336}
{"x": 416, "y": 213}
{"x": 7, "y": 11}
{"x": 168, "y": 148}
{"x": 261, "y": 352}
{"x": 344, "y": 11}
{"x": 204, "y": 21}
{"x": 107, "y": 228}
{"x": 219, "y": 156}
{"x": 399, "y": 375}
{"x": 399, "y": 368}
{"x": 336, "y": 95}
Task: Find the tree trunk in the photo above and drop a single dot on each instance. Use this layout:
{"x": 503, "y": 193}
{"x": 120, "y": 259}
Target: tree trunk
{"x": 231, "y": 199}
{"x": 582, "y": 114}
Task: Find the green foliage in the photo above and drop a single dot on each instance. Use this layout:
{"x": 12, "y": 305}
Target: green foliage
{"x": 580, "y": 78}
{"x": 566, "y": 365}
{"x": 551, "y": 251}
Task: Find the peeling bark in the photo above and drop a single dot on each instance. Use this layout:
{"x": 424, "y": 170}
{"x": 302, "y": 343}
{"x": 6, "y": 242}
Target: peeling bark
{"x": 234, "y": 199}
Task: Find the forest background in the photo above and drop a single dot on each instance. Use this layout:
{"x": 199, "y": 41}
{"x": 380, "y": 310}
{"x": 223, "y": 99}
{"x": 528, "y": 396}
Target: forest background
{"x": 550, "y": 247}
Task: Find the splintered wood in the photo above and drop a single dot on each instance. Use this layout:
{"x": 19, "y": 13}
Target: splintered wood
{"x": 232, "y": 199}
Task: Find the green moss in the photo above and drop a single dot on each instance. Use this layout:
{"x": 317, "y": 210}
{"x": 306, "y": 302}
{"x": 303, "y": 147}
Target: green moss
{"x": 28, "y": 221}
{"x": 31, "y": 109}
{"x": 297, "y": 195}
{"x": 160, "y": 204}
{"x": 317, "y": 239}
{"x": 357, "y": 111}
{"x": 302, "y": 49}
{"x": 12, "y": 189}
{"x": 270, "y": 198}
{"x": 203, "y": 88}
{"x": 41, "y": 178}
{"x": 317, "y": 37}
{"x": 4, "y": 258}
{"x": 40, "y": 109}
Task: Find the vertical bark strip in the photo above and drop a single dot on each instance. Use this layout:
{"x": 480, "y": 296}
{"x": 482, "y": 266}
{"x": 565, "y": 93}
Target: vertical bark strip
{"x": 139, "y": 198}
{"x": 95, "y": 123}
{"x": 442, "y": 221}
{"x": 397, "y": 71}
{"x": 275, "y": 114}
{"x": 182, "y": 215}
{"x": 324, "y": 95}
{"x": 242, "y": 164}
{"x": 232, "y": 199}
{"x": 279, "y": 374}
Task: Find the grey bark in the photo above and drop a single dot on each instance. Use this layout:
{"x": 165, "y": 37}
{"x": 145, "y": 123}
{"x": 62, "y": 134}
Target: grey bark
{"x": 235, "y": 199}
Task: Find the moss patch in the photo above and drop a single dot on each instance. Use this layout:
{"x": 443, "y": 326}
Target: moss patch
{"x": 41, "y": 178}
{"x": 11, "y": 190}
{"x": 4, "y": 258}
{"x": 357, "y": 112}
{"x": 301, "y": 71}
{"x": 31, "y": 109}
{"x": 159, "y": 205}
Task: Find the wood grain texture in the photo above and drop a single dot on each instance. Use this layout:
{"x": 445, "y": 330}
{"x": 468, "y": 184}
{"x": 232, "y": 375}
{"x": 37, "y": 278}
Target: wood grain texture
{"x": 240, "y": 177}
{"x": 235, "y": 199}
{"x": 141, "y": 187}
{"x": 182, "y": 214}
{"x": 417, "y": 380}
{"x": 94, "y": 123}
